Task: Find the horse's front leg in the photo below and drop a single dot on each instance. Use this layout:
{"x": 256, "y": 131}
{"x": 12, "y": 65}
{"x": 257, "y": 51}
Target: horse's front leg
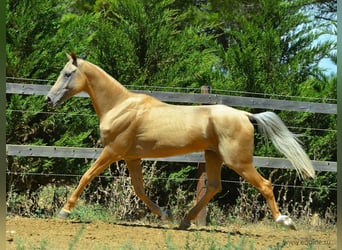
{"x": 102, "y": 162}
{"x": 135, "y": 172}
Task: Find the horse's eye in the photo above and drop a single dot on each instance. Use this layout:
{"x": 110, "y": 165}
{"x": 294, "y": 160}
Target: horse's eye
{"x": 67, "y": 74}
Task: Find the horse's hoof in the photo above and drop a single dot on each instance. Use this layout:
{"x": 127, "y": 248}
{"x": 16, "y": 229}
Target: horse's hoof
{"x": 63, "y": 214}
{"x": 185, "y": 224}
{"x": 286, "y": 221}
{"x": 166, "y": 215}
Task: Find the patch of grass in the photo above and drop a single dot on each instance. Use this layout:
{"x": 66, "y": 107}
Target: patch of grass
{"x": 92, "y": 212}
{"x": 76, "y": 238}
{"x": 278, "y": 246}
{"x": 20, "y": 245}
{"x": 127, "y": 246}
{"x": 170, "y": 245}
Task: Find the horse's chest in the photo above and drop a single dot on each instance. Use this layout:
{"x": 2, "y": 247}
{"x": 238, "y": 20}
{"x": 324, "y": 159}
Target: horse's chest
{"x": 118, "y": 127}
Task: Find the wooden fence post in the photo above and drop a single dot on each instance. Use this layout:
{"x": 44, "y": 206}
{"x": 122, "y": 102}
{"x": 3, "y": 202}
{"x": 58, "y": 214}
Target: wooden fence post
{"x": 201, "y": 219}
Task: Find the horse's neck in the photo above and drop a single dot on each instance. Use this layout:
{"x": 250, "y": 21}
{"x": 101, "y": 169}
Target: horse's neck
{"x": 104, "y": 91}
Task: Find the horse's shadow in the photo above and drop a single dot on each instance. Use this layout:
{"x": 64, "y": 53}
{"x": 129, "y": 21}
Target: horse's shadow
{"x": 172, "y": 227}
{"x": 192, "y": 229}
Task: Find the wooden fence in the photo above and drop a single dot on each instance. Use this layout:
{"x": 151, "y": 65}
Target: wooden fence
{"x": 173, "y": 97}
{"x": 251, "y": 102}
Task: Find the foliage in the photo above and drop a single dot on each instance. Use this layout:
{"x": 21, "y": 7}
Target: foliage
{"x": 271, "y": 52}
{"x": 147, "y": 46}
{"x": 36, "y": 42}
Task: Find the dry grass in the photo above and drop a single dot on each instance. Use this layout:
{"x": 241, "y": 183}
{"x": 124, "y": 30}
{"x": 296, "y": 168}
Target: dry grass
{"x": 118, "y": 201}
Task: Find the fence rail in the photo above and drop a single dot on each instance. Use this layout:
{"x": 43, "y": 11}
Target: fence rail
{"x": 93, "y": 153}
{"x": 237, "y": 101}
{"x": 252, "y": 102}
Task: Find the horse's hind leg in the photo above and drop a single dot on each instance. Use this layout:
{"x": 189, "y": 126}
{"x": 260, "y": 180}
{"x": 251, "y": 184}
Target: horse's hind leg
{"x": 135, "y": 172}
{"x": 213, "y": 170}
{"x": 250, "y": 174}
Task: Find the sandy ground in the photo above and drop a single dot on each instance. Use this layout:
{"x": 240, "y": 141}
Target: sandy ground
{"x": 32, "y": 233}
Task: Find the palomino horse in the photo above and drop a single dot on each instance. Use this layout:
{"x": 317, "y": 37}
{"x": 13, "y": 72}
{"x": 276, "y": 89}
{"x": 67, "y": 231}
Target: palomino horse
{"x": 135, "y": 126}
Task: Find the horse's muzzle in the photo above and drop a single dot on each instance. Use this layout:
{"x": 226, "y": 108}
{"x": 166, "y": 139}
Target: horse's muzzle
{"x": 48, "y": 100}
{"x": 51, "y": 102}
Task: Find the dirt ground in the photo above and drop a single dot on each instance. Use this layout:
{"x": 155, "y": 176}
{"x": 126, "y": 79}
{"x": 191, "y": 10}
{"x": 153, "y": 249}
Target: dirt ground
{"x": 32, "y": 233}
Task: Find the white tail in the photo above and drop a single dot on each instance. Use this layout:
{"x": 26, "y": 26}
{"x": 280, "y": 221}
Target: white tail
{"x": 286, "y": 142}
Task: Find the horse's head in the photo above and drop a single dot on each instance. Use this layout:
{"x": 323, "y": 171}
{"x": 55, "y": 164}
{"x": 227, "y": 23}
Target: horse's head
{"x": 70, "y": 81}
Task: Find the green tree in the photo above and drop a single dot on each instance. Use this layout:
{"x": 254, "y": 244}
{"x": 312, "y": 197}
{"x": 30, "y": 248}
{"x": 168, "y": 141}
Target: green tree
{"x": 143, "y": 43}
{"x": 38, "y": 35}
{"x": 270, "y": 51}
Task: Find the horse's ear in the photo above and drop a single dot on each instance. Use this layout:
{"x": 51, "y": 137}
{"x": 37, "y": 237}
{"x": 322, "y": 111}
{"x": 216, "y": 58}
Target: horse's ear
{"x": 74, "y": 58}
{"x": 68, "y": 56}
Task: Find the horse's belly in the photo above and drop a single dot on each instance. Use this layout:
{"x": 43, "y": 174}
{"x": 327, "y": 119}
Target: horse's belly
{"x": 169, "y": 143}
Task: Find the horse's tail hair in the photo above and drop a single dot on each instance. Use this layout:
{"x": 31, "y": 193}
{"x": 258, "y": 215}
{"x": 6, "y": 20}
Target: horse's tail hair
{"x": 286, "y": 142}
